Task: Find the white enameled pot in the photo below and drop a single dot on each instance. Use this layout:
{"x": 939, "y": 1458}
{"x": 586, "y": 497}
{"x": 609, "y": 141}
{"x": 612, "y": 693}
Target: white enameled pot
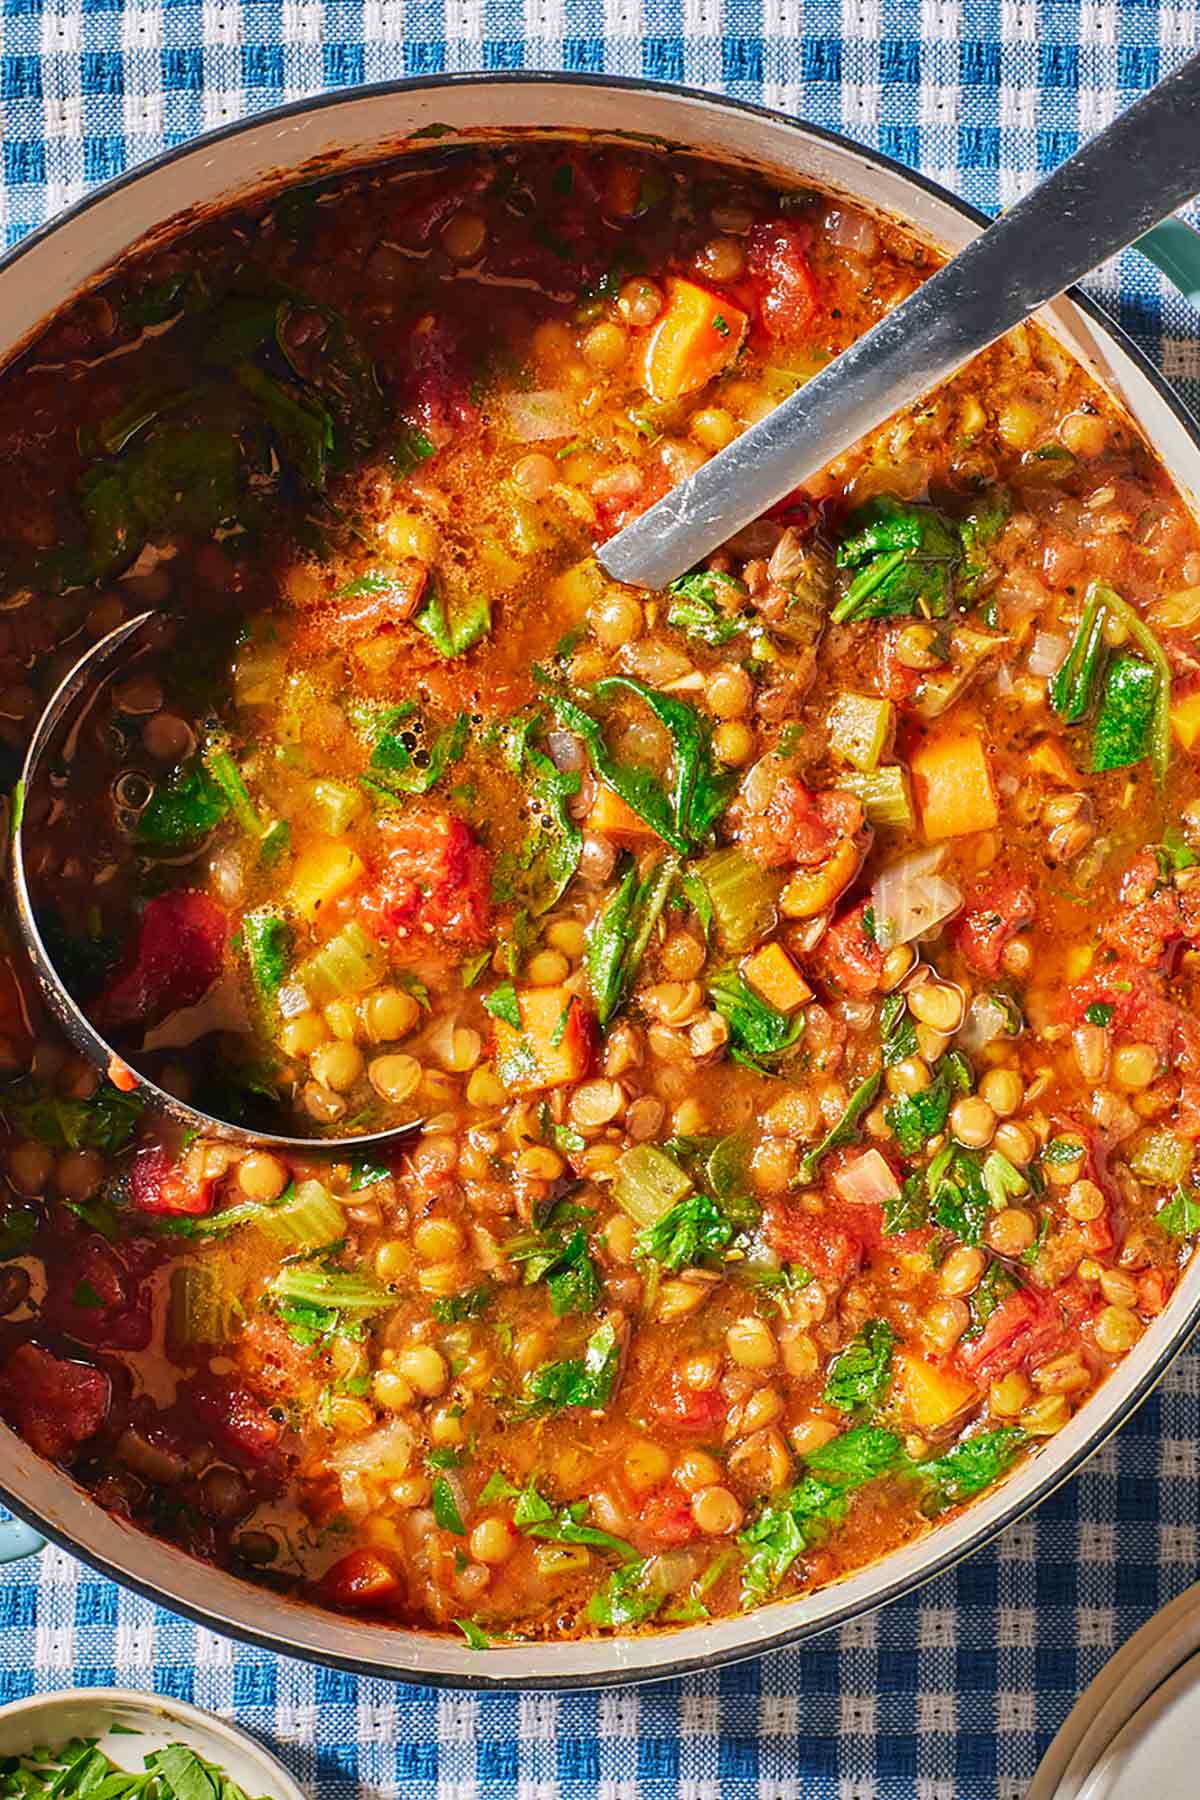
{"x": 339, "y": 131}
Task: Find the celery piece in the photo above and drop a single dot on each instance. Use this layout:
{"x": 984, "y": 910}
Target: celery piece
{"x": 885, "y": 793}
{"x": 648, "y": 1183}
{"x": 336, "y": 806}
{"x": 200, "y": 1312}
{"x": 859, "y": 729}
{"x": 743, "y": 897}
{"x": 347, "y": 1293}
{"x": 1161, "y": 1156}
{"x": 306, "y": 1218}
{"x": 349, "y": 963}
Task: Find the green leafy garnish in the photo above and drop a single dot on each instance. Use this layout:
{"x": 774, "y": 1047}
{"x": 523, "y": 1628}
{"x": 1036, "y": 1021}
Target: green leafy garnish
{"x": 969, "y": 1467}
{"x": 758, "y": 1031}
{"x": 618, "y": 936}
{"x": 905, "y": 556}
{"x": 700, "y": 788}
{"x": 958, "y": 1198}
{"x": 1125, "y": 720}
{"x": 630, "y": 1596}
{"x": 536, "y": 1517}
{"x": 696, "y": 1227}
{"x": 477, "y": 1638}
{"x": 107, "y": 1120}
{"x": 915, "y": 1118}
{"x": 502, "y": 1003}
{"x": 445, "y": 1508}
{"x": 859, "y": 1374}
{"x": 585, "y": 1381}
{"x": 695, "y": 608}
{"x": 1180, "y": 1217}
{"x": 452, "y": 634}
{"x": 181, "y": 810}
{"x": 453, "y": 1309}
{"x": 860, "y": 1102}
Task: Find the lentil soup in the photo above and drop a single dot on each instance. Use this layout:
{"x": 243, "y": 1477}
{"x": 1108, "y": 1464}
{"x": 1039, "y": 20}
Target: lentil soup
{"x": 794, "y": 971}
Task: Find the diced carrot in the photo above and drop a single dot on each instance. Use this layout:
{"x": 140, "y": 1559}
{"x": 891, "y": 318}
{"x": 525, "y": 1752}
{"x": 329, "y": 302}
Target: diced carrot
{"x": 553, "y": 1047}
{"x": 1049, "y": 760}
{"x": 954, "y": 785}
{"x": 325, "y": 872}
{"x": 1185, "y": 721}
{"x": 930, "y": 1396}
{"x": 772, "y": 973}
{"x": 697, "y": 336}
{"x": 613, "y": 818}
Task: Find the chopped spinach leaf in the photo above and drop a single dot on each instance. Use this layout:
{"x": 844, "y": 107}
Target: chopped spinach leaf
{"x": 905, "y": 556}
{"x": 860, "y": 1374}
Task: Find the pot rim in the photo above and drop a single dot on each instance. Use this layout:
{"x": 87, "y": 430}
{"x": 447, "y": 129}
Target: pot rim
{"x": 760, "y": 1633}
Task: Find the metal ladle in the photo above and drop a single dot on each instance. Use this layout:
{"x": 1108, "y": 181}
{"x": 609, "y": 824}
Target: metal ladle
{"x": 60, "y": 723}
{"x": 1124, "y": 180}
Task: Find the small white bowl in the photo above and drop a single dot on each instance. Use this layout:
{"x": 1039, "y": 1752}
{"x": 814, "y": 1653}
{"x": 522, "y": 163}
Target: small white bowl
{"x": 158, "y": 1720}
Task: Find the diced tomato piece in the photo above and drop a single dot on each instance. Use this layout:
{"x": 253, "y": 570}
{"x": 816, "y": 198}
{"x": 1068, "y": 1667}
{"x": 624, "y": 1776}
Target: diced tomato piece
{"x": 1153, "y": 919}
{"x": 436, "y": 880}
{"x": 827, "y": 1244}
{"x": 56, "y": 1405}
{"x": 796, "y": 509}
{"x": 233, "y": 1419}
{"x": 798, "y": 826}
{"x": 362, "y": 1581}
{"x": 1026, "y": 1325}
{"x": 789, "y": 296}
{"x": 665, "y": 1517}
{"x": 850, "y": 958}
{"x": 95, "y": 1297}
{"x": 350, "y": 621}
{"x": 1141, "y": 1010}
{"x": 176, "y": 956}
{"x": 1078, "y": 1301}
{"x": 993, "y": 915}
{"x": 158, "y": 1184}
{"x": 893, "y": 678}
{"x": 1155, "y": 1287}
{"x": 695, "y": 1410}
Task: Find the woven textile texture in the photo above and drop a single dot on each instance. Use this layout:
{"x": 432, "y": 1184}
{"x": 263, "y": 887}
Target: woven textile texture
{"x": 954, "y": 1694}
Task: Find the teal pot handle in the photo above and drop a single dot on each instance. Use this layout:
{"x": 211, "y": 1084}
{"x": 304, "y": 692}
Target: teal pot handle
{"x": 18, "y": 1539}
{"x": 1174, "y": 248}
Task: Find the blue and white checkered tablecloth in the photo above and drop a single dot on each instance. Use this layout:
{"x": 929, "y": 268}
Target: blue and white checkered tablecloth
{"x": 953, "y": 1694}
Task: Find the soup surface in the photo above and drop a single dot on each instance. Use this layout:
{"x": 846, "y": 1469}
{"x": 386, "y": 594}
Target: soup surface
{"x": 794, "y": 971}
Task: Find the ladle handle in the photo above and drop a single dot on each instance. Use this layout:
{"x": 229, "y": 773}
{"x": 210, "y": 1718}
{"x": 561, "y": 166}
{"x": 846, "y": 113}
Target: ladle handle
{"x": 1125, "y": 179}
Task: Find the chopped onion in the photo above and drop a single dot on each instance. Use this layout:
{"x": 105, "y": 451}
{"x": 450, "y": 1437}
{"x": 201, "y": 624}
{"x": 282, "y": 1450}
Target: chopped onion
{"x": 566, "y": 750}
{"x": 869, "y": 1180}
{"x": 1047, "y": 653}
{"x": 852, "y": 231}
{"x": 366, "y": 1463}
{"x": 987, "y": 1019}
{"x": 293, "y": 1000}
{"x": 534, "y": 417}
{"x": 911, "y": 899}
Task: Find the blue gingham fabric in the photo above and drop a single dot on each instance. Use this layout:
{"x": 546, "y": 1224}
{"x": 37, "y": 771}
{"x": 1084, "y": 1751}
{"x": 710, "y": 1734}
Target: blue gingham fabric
{"x": 954, "y": 1693}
